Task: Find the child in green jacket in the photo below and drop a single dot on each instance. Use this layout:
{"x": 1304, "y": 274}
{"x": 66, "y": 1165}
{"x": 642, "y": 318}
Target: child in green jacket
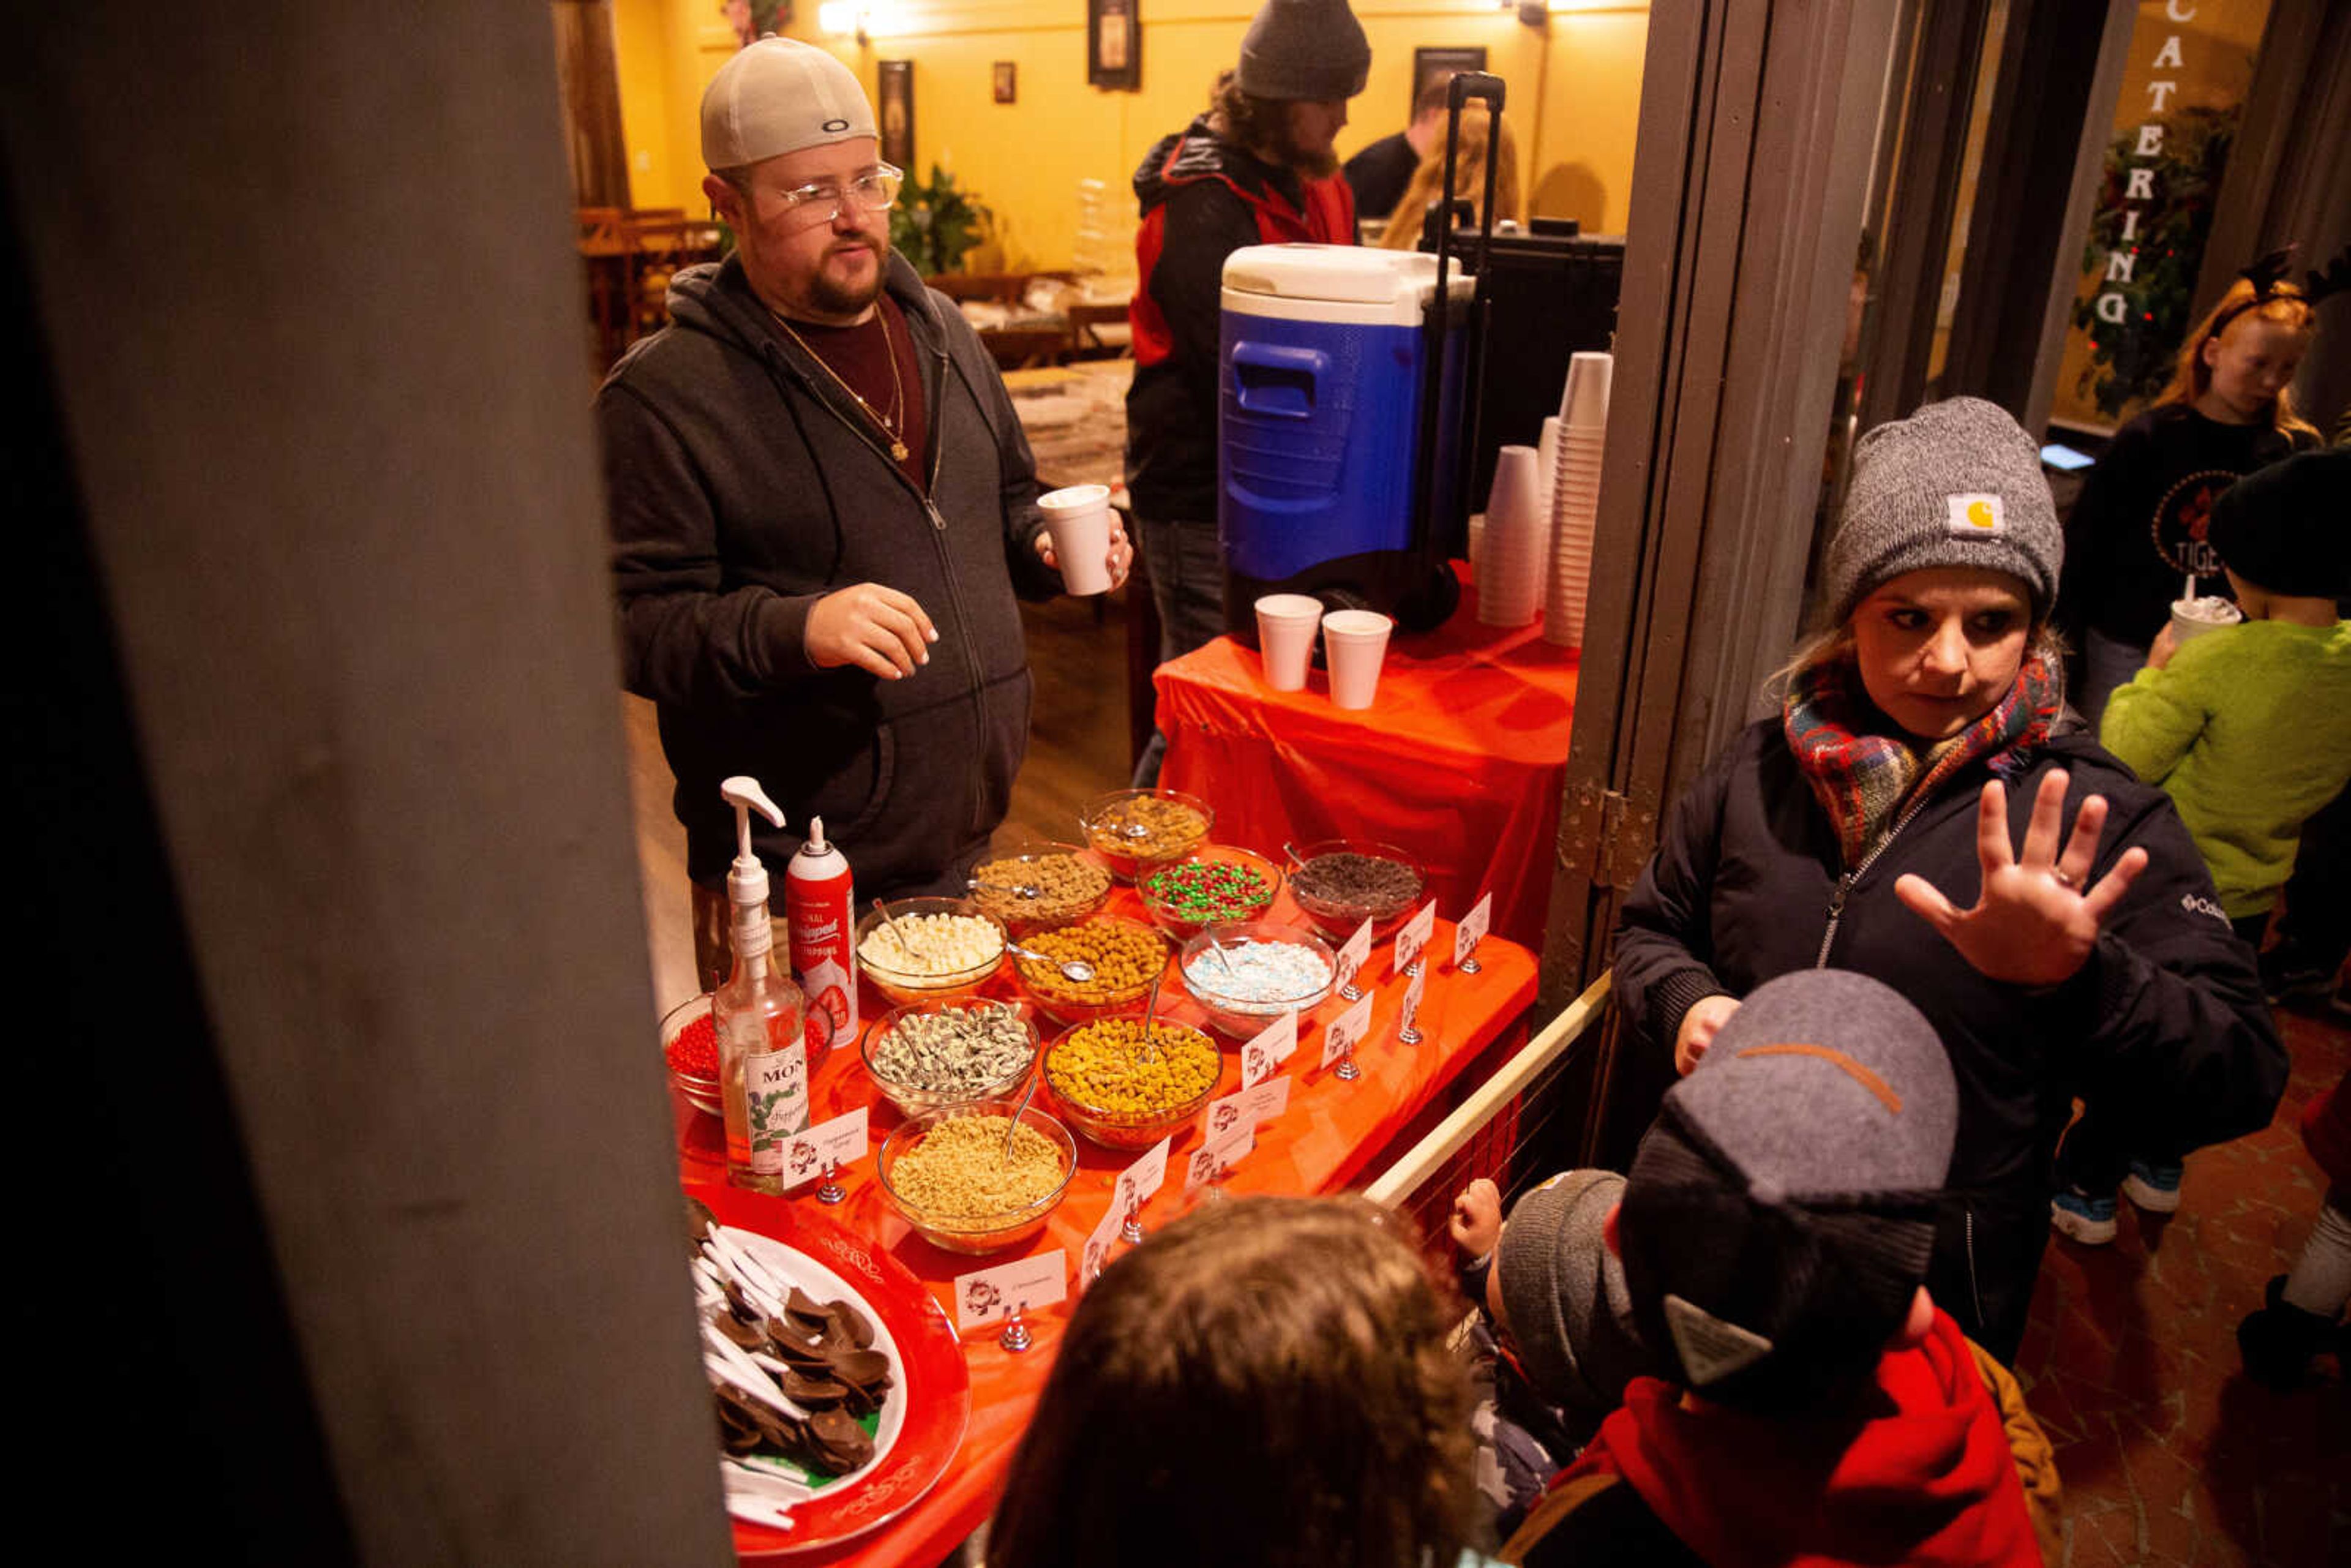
{"x": 2248, "y": 729}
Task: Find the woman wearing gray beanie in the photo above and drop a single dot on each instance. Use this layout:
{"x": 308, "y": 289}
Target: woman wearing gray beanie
{"x": 1875, "y": 824}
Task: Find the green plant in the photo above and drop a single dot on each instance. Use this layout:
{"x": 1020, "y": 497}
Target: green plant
{"x": 934, "y": 225}
{"x": 2130, "y": 359}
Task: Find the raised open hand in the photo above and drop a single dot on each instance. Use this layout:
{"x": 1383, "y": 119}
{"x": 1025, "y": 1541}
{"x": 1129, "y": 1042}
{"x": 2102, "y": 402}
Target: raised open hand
{"x": 2035, "y": 921}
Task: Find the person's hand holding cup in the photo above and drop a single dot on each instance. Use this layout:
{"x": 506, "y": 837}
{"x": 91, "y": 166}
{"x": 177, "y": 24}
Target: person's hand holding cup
{"x": 1078, "y": 525}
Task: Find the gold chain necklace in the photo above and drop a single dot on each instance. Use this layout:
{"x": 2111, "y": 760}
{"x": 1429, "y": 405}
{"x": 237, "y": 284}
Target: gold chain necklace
{"x": 890, "y": 426}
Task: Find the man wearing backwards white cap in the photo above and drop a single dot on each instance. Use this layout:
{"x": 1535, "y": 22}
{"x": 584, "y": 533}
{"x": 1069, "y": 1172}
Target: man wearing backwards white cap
{"x": 822, "y": 508}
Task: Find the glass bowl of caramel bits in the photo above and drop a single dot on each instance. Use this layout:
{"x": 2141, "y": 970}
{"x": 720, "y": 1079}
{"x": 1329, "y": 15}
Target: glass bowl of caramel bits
{"x": 1134, "y": 829}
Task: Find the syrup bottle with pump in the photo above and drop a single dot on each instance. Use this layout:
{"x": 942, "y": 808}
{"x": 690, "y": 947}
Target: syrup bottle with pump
{"x": 820, "y": 911}
{"x": 763, "y": 1067}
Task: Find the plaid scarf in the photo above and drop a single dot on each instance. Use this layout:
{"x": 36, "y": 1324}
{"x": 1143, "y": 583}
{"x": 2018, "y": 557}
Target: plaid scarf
{"x": 1865, "y": 781}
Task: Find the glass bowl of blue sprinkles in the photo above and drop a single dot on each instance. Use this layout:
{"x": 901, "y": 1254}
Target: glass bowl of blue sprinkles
{"x": 1248, "y": 973}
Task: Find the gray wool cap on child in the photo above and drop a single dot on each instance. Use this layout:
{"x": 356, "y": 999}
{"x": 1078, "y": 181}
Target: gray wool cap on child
{"x": 1564, "y": 1293}
{"x": 1312, "y": 49}
{"x": 1781, "y": 1214}
{"x": 1959, "y": 482}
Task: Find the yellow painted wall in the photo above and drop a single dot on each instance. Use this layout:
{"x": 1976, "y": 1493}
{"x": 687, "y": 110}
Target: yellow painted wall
{"x": 1573, "y": 95}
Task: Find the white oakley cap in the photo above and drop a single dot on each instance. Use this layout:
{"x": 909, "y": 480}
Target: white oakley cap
{"x": 778, "y": 96}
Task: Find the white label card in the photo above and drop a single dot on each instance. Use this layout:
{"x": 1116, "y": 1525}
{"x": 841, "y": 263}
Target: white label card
{"x": 1098, "y": 1245}
{"x": 1138, "y": 1181}
{"x": 841, "y": 1140}
{"x": 1354, "y": 956}
{"x": 1211, "y": 1161}
{"x": 1414, "y": 990}
{"x": 1255, "y": 1106}
{"x": 1028, "y": 1283}
{"x": 1413, "y": 935}
{"x": 1347, "y": 1030}
{"x": 1473, "y": 928}
{"x": 1272, "y": 1046}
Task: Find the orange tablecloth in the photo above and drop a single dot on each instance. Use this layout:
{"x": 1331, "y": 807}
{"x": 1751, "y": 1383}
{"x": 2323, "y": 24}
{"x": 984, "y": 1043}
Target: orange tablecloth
{"x": 1327, "y": 1138}
{"x": 1459, "y": 762}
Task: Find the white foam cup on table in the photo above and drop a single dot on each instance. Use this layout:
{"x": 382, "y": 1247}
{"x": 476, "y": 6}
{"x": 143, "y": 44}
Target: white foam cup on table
{"x": 1355, "y": 644}
{"x": 1079, "y": 519}
{"x": 1285, "y": 635}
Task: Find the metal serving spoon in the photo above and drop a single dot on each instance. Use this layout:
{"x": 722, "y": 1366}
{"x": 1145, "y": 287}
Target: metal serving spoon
{"x": 1077, "y": 971}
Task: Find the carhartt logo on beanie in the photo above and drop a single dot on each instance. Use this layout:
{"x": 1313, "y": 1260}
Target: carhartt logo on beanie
{"x": 1311, "y": 49}
{"x": 1779, "y": 1216}
{"x": 780, "y": 95}
{"x": 1959, "y": 482}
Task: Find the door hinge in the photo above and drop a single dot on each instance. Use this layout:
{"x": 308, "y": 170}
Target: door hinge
{"x": 1604, "y": 837}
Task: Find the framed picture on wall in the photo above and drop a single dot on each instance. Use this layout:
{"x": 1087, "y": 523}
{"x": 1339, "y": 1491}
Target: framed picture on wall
{"x": 1436, "y": 65}
{"x": 894, "y": 102}
{"x": 1008, "y": 81}
{"x": 1114, "y": 44}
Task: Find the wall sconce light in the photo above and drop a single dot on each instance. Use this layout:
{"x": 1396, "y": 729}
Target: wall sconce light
{"x": 837, "y": 17}
{"x": 1533, "y": 12}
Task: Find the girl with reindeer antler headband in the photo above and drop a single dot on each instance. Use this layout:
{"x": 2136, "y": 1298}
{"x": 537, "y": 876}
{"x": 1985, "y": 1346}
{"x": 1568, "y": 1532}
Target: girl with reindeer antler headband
{"x": 2139, "y": 529}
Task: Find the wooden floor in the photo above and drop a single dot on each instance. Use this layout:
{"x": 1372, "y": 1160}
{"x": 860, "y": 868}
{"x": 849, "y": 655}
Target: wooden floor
{"x": 1077, "y": 749}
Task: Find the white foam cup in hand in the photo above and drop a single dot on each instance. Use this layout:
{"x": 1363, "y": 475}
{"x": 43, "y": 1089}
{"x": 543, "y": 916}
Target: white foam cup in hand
{"x": 1354, "y": 642}
{"x": 2193, "y": 617}
{"x": 1079, "y": 519}
{"x": 1285, "y": 635}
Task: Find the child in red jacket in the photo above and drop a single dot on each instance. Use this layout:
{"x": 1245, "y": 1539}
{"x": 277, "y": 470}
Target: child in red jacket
{"x": 1775, "y": 1229}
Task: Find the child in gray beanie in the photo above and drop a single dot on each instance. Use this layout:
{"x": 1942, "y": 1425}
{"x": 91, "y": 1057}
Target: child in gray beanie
{"x": 1555, "y": 1342}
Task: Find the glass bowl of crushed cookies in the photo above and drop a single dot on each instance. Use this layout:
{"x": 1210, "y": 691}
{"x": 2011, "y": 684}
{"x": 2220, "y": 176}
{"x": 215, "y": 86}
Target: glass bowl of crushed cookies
{"x": 950, "y": 1174}
{"x": 1041, "y": 886}
{"x": 1134, "y": 829}
{"x": 1342, "y": 882}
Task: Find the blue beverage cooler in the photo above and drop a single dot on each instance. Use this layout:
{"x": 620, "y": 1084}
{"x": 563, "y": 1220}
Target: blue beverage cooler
{"x": 1327, "y": 484}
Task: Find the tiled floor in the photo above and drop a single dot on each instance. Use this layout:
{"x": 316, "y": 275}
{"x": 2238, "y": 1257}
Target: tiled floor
{"x": 2169, "y": 1454}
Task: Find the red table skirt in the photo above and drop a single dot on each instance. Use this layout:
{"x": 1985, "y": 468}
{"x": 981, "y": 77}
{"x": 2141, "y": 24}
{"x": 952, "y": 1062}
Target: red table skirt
{"x": 1459, "y": 762}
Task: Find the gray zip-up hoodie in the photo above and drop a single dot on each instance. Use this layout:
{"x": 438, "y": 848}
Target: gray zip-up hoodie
{"x": 742, "y": 486}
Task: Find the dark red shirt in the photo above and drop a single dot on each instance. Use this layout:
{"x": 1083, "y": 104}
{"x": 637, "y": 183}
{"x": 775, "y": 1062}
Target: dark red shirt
{"x": 858, "y": 355}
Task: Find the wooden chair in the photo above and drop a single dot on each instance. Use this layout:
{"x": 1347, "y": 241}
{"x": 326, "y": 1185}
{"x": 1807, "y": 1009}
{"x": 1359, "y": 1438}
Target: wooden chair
{"x": 1027, "y": 348}
{"x": 657, "y": 249}
{"x": 1088, "y": 341}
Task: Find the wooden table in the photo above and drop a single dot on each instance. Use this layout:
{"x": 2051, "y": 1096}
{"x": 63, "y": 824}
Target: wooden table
{"x": 1459, "y": 762}
{"x": 1332, "y": 1136}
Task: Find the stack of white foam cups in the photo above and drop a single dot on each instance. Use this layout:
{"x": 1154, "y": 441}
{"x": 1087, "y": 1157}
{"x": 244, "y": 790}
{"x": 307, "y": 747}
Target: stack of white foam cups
{"x": 1576, "y": 497}
{"x": 1509, "y": 564}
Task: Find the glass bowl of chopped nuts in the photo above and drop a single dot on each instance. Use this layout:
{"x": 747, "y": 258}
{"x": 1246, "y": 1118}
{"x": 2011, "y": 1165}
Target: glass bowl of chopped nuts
{"x": 932, "y": 1054}
{"x": 1123, "y": 1096}
{"x": 929, "y": 949}
{"x": 1247, "y": 974}
{"x": 1041, "y": 886}
{"x": 946, "y": 1172}
{"x": 1134, "y": 829}
{"x": 1127, "y": 955}
{"x": 1214, "y": 885}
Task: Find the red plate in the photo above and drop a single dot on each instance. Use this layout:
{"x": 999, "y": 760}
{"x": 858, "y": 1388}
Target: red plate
{"x": 934, "y": 1383}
